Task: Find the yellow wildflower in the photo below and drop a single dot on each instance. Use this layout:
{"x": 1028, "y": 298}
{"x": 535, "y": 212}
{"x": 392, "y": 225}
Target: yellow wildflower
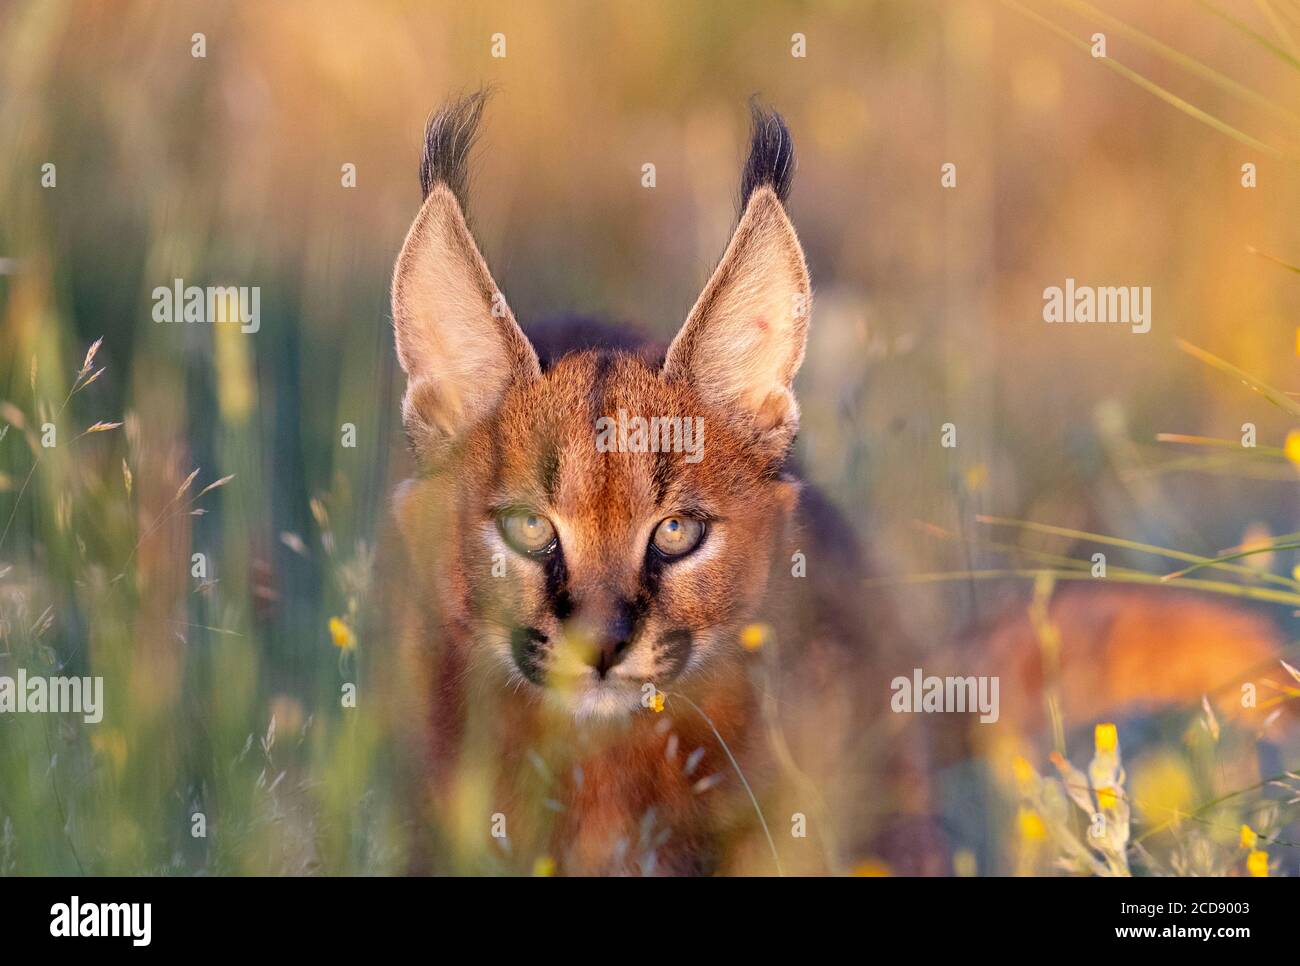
{"x": 1248, "y": 837}
{"x": 1107, "y": 798}
{"x": 753, "y": 636}
{"x": 1293, "y": 446}
{"x": 544, "y": 866}
{"x": 1105, "y": 738}
{"x": 1023, "y": 771}
{"x": 1257, "y": 863}
{"x": 343, "y": 637}
{"x": 658, "y": 702}
{"x": 1032, "y": 826}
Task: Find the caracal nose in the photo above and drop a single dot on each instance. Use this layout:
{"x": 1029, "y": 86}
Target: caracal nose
{"x": 607, "y": 640}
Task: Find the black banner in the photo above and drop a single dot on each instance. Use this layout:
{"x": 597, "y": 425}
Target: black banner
{"x": 941, "y": 916}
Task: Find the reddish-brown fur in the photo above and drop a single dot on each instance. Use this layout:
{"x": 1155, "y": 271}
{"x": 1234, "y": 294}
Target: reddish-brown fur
{"x": 527, "y": 751}
{"x": 629, "y": 768}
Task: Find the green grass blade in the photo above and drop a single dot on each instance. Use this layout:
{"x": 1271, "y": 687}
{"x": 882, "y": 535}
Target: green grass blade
{"x": 1263, "y": 594}
{"x": 1254, "y": 35}
{"x": 1231, "y": 556}
{"x": 1186, "y": 62}
{"x": 1276, "y": 396}
{"x": 1191, "y": 558}
{"x": 1151, "y": 87}
{"x": 1273, "y": 258}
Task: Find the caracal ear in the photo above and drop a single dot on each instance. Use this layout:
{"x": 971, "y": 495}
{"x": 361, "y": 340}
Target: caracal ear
{"x": 743, "y": 341}
{"x": 457, "y": 340}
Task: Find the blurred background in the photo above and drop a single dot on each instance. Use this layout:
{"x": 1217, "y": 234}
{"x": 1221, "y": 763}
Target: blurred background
{"x": 223, "y": 675}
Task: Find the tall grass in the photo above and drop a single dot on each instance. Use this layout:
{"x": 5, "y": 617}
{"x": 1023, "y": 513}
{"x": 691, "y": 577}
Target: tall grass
{"x": 224, "y": 684}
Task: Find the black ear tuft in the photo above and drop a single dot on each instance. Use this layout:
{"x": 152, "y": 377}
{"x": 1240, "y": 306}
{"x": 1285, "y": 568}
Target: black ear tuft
{"x": 448, "y": 137}
{"x": 771, "y": 154}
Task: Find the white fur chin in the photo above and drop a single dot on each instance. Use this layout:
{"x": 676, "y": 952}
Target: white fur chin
{"x": 603, "y": 701}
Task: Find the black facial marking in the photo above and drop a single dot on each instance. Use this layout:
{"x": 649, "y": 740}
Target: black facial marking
{"x": 674, "y": 650}
{"x": 633, "y": 611}
{"x": 528, "y": 646}
{"x": 557, "y": 585}
{"x": 650, "y": 574}
{"x": 599, "y": 379}
{"x": 663, "y": 472}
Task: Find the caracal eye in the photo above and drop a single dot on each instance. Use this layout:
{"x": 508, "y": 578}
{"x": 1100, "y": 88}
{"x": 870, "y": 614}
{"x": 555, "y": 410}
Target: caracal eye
{"x": 677, "y": 536}
{"x": 529, "y": 533}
